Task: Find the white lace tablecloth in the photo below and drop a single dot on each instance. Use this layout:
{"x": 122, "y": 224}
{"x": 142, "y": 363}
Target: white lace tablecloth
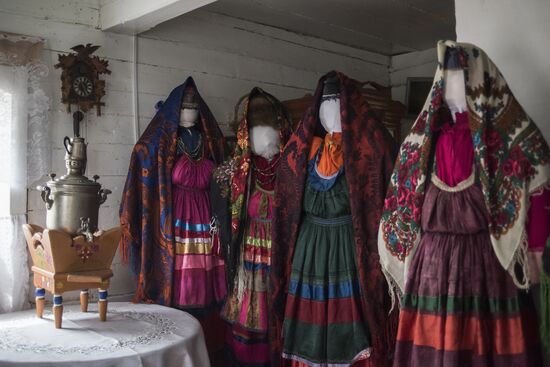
{"x": 134, "y": 335}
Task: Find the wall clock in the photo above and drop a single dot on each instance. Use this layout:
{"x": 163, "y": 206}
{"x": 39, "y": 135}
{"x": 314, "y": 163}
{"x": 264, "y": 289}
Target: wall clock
{"x": 80, "y": 83}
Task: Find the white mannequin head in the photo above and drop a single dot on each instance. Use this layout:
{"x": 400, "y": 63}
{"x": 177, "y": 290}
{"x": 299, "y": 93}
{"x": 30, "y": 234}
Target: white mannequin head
{"x": 329, "y": 115}
{"x": 265, "y": 141}
{"x": 188, "y": 117}
{"x": 455, "y": 91}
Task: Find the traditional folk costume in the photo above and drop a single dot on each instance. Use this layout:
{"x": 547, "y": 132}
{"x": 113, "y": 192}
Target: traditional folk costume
{"x": 165, "y": 213}
{"x": 251, "y": 190}
{"x": 329, "y": 300}
{"x": 453, "y": 235}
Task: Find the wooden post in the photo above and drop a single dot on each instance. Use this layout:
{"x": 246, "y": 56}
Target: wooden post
{"x": 58, "y": 310}
{"x": 84, "y": 300}
{"x": 102, "y": 304}
{"x": 40, "y": 294}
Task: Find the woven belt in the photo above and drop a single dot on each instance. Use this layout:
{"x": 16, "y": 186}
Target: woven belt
{"x": 345, "y": 219}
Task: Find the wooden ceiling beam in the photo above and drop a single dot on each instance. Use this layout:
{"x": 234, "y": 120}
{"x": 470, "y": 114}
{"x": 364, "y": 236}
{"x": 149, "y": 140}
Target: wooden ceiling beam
{"x": 137, "y": 16}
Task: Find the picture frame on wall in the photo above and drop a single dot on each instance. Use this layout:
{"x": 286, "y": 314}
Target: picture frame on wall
{"x": 418, "y": 89}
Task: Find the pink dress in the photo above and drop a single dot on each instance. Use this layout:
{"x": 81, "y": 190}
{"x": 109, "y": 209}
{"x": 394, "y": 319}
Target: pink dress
{"x": 199, "y": 279}
{"x": 455, "y": 153}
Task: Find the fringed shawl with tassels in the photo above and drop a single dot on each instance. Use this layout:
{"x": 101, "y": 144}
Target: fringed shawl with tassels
{"x": 511, "y": 161}
{"x": 146, "y": 209}
{"x": 240, "y": 178}
{"x": 369, "y": 152}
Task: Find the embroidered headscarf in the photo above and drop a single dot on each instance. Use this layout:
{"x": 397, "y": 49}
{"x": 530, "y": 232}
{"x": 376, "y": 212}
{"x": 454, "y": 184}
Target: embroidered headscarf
{"x": 369, "y": 153}
{"x": 511, "y": 162}
{"x": 240, "y": 181}
{"x": 147, "y": 240}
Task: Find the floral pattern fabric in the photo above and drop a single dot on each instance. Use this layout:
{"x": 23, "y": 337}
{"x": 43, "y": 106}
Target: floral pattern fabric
{"x": 511, "y": 160}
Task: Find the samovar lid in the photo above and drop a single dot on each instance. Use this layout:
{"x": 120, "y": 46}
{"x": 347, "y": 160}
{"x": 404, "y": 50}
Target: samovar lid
{"x": 73, "y": 180}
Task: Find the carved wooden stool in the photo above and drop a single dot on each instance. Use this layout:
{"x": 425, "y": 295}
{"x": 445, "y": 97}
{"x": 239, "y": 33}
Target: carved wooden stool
{"x": 63, "y": 263}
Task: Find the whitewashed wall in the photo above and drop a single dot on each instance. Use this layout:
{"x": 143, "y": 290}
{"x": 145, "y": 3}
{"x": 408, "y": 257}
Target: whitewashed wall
{"x": 66, "y": 23}
{"x": 410, "y": 65}
{"x": 226, "y": 56}
{"x": 516, "y": 36}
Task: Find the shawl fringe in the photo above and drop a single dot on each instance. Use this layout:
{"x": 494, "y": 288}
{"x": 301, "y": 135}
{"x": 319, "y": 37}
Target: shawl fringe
{"x": 520, "y": 264}
{"x": 394, "y": 291}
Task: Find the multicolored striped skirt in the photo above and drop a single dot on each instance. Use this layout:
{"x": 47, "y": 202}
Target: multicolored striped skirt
{"x": 460, "y": 307}
{"x": 246, "y": 307}
{"x": 199, "y": 274}
{"x": 324, "y": 323}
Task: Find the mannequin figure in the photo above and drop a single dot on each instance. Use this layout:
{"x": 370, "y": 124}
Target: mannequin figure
{"x": 458, "y": 252}
{"x": 199, "y": 279}
{"x": 165, "y": 211}
{"x": 316, "y": 233}
{"x": 265, "y": 129}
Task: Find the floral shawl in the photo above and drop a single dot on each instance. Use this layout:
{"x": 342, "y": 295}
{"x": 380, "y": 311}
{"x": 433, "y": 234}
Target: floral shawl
{"x": 369, "y": 153}
{"x": 241, "y": 175}
{"x": 147, "y": 240}
{"x": 511, "y": 162}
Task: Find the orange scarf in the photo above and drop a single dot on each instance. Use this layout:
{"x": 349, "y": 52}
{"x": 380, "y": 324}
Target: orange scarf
{"x": 332, "y": 156}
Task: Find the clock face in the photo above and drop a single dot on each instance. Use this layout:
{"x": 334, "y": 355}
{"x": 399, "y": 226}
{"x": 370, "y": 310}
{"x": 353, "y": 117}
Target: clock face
{"x": 82, "y": 86}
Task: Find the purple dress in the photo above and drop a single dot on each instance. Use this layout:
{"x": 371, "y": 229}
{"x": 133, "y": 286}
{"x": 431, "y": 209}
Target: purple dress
{"x": 461, "y": 307}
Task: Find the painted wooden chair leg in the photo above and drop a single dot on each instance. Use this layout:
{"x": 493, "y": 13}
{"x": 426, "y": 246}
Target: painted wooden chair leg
{"x": 40, "y": 294}
{"x": 84, "y": 300}
{"x": 102, "y": 303}
{"x": 58, "y": 310}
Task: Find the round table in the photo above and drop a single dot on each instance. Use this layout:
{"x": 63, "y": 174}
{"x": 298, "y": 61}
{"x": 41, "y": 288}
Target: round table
{"x": 134, "y": 335}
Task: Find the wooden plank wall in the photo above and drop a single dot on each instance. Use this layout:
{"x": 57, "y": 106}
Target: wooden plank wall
{"x": 228, "y": 57}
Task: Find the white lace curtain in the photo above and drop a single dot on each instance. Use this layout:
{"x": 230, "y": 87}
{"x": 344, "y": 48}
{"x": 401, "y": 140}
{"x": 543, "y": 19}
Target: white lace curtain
{"x": 25, "y": 152}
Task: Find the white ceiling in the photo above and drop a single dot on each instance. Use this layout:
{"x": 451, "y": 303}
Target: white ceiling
{"x": 388, "y": 27}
